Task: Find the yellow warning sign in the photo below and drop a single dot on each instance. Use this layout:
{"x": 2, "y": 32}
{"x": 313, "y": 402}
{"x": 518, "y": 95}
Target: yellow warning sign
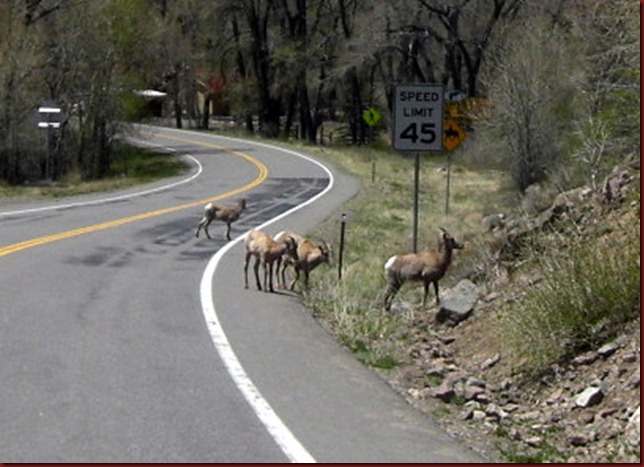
{"x": 371, "y": 116}
{"x": 453, "y": 134}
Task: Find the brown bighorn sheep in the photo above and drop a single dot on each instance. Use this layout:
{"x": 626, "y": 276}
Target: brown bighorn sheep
{"x": 266, "y": 251}
{"x": 309, "y": 256}
{"x": 225, "y": 213}
{"x": 426, "y": 266}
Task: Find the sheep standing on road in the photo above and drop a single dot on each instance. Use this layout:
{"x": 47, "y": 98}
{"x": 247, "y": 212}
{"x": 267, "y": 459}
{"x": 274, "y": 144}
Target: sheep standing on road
{"x": 426, "y": 266}
{"x": 309, "y": 256}
{"x": 224, "y": 213}
{"x": 266, "y": 251}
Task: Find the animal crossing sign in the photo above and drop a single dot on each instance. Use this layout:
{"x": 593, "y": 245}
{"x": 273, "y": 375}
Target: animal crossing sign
{"x": 418, "y": 117}
{"x": 454, "y": 134}
{"x": 371, "y": 116}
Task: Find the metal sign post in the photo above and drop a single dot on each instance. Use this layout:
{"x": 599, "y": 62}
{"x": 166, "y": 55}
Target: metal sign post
{"x": 418, "y": 126}
{"x": 371, "y": 116}
{"x": 454, "y": 136}
{"x": 416, "y": 202}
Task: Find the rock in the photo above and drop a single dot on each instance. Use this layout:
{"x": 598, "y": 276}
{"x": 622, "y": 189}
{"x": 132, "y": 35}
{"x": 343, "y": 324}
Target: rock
{"x": 585, "y": 359}
{"x": 528, "y": 416}
{"x": 630, "y": 357}
{"x": 478, "y": 415}
{"x": 555, "y": 396}
{"x": 533, "y": 441}
{"x": 494, "y": 222}
{"x": 608, "y": 349}
{"x": 444, "y": 392}
{"x": 633, "y": 381}
{"x": 446, "y": 339}
{"x": 632, "y": 432}
{"x": 490, "y": 362}
{"x": 589, "y": 397}
{"x": 459, "y": 304}
{"x": 579, "y": 439}
{"x": 435, "y": 372}
{"x": 587, "y": 418}
{"x": 472, "y": 392}
{"x": 494, "y": 411}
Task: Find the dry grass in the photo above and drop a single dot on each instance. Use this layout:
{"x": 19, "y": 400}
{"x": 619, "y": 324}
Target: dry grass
{"x": 380, "y": 224}
{"x": 553, "y": 317}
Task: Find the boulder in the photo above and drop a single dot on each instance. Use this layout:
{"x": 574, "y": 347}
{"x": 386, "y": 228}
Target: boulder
{"x": 459, "y": 303}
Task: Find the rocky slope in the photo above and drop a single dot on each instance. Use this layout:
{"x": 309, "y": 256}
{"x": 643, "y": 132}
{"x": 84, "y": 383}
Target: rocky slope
{"x": 586, "y": 410}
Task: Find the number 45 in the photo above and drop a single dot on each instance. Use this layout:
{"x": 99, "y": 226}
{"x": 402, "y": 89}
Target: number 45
{"x": 427, "y": 133}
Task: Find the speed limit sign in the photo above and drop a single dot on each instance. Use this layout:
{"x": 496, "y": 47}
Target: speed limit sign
{"x": 418, "y": 117}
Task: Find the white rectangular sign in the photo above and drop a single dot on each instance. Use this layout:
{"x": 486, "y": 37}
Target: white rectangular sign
{"x": 418, "y": 117}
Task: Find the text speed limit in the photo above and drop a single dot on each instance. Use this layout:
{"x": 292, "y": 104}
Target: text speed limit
{"x": 418, "y": 117}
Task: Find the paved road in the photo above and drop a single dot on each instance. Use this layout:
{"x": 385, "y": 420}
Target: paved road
{"x": 126, "y": 339}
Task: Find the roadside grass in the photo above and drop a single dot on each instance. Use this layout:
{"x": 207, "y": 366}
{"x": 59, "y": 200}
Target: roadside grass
{"x": 378, "y": 225}
{"x": 590, "y": 286}
{"x": 589, "y": 289}
{"x": 543, "y": 453}
{"x": 132, "y": 166}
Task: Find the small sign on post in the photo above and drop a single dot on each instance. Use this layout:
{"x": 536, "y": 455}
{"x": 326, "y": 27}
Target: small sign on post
{"x": 454, "y": 134}
{"x": 371, "y": 116}
{"x": 50, "y": 117}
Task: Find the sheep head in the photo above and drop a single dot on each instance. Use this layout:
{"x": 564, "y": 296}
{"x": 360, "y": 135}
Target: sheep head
{"x": 448, "y": 241}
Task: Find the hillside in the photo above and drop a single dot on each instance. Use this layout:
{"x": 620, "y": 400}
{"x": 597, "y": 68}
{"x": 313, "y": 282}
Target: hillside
{"x": 585, "y": 407}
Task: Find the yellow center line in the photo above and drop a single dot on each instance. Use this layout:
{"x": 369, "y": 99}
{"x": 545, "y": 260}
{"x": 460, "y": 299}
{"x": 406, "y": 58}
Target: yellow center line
{"x": 261, "y": 176}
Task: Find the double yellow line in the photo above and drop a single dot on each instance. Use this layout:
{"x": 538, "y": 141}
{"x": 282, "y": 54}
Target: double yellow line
{"x": 261, "y": 176}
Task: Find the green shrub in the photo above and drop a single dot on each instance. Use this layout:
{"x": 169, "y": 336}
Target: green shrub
{"x": 586, "y": 294}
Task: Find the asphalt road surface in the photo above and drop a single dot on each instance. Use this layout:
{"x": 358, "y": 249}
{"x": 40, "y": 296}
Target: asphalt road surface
{"x": 126, "y": 339}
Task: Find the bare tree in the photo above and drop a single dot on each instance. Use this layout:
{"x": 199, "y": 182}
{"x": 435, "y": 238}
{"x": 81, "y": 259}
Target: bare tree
{"x": 609, "y": 130}
{"x": 532, "y": 88}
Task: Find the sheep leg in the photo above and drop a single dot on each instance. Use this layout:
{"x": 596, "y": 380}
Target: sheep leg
{"x": 297, "y": 276}
{"x": 280, "y": 283}
{"x": 436, "y": 292}
{"x": 392, "y": 290}
{"x": 285, "y": 266}
{"x": 425, "y": 292}
{"x": 248, "y": 255}
{"x": 270, "y": 277}
{"x": 205, "y": 227}
{"x": 264, "y": 276}
{"x": 202, "y": 222}
{"x": 256, "y": 269}
{"x": 228, "y": 231}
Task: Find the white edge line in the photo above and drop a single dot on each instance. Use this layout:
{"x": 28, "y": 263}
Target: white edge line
{"x": 115, "y": 198}
{"x": 282, "y": 435}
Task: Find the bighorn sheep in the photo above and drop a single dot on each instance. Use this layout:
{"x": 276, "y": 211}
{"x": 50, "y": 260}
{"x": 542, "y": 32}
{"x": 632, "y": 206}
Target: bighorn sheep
{"x": 309, "y": 256}
{"x": 426, "y": 266}
{"x": 266, "y": 251}
{"x": 225, "y": 213}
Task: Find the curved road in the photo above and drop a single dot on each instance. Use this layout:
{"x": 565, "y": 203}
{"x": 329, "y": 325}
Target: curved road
{"x": 126, "y": 339}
